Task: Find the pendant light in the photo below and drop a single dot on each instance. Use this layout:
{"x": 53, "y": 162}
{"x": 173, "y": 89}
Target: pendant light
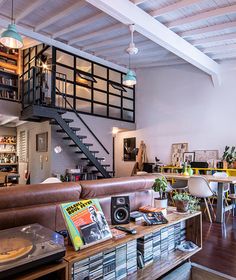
{"x": 130, "y": 77}
{"x": 11, "y": 38}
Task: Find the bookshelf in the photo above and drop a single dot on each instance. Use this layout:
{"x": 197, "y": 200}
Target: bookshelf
{"x": 157, "y": 268}
{"x": 9, "y": 70}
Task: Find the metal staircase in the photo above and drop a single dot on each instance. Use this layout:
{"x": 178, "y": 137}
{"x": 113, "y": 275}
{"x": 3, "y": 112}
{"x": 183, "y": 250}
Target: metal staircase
{"x": 34, "y": 111}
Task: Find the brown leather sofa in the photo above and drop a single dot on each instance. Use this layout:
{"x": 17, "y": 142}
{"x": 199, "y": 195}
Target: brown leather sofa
{"x": 21, "y": 205}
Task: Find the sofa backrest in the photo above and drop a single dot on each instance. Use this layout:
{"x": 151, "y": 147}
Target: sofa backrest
{"x": 21, "y": 205}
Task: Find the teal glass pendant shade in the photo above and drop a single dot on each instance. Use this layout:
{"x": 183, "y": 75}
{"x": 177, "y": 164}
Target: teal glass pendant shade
{"x": 130, "y": 78}
{"x": 11, "y": 38}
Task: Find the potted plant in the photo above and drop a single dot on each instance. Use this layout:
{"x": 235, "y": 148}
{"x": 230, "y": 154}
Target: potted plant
{"x": 229, "y": 155}
{"x": 184, "y": 202}
{"x": 160, "y": 186}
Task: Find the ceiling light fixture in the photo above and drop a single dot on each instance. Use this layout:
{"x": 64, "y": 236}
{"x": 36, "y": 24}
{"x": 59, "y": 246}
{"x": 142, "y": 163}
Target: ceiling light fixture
{"x": 11, "y": 38}
{"x": 130, "y": 77}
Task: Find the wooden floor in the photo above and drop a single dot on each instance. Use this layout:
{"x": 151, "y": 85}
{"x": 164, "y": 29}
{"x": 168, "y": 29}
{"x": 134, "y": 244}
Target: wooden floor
{"x": 219, "y": 246}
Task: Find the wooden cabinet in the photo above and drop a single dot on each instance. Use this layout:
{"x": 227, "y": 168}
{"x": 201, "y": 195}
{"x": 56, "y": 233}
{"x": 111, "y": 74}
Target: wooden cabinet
{"x": 157, "y": 268}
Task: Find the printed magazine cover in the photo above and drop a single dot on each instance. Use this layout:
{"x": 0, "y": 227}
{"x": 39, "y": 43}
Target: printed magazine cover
{"x": 85, "y": 222}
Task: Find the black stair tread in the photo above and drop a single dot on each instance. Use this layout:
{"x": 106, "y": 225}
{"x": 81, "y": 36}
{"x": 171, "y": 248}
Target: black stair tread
{"x": 104, "y": 165}
{"x": 66, "y": 120}
{"x": 92, "y": 152}
{"x": 86, "y": 144}
{"x": 97, "y": 158}
{"x": 63, "y": 131}
{"x": 79, "y": 136}
{"x": 96, "y": 171}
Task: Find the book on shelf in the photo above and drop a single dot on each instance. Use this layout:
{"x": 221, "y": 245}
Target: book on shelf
{"x": 85, "y": 222}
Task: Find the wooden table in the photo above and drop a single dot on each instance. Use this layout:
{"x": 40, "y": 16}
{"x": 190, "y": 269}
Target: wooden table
{"x": 210, "y": 178}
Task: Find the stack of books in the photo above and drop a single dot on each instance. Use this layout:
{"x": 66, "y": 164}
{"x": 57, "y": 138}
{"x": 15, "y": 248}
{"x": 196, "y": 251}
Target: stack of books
{"x": 80, "y": 270}
{"x": 164, "y": 243}
{"x": 182, "y": 231}
{"x": 109, "y": 264}
{"x": 156, "y": 245}
{"x": 131, "y": 256}
{"x": 96, "y": 266}
{"x": 171, "y": 238}
{"x": 145, "y": 246}
{"x": 177, "y": 234}
{"x": 121, "y": 254}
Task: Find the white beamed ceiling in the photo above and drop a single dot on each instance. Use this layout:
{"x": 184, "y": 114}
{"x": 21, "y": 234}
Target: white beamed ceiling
{"x": 208, "y": 25}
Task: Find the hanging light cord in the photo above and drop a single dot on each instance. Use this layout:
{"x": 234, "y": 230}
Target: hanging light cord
{"x": 12, "y": 20}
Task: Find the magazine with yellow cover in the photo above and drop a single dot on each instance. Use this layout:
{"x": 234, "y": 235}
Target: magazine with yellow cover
{"x": 85, "y": 222}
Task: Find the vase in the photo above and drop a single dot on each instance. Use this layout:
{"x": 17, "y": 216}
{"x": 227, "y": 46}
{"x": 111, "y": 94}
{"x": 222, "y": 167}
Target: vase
{"x": 160, "y": 203}
{"x": 182, "y": 205}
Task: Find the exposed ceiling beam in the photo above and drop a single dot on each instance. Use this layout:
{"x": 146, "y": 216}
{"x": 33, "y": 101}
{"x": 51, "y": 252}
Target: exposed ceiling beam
{"x": 163, "y": 63}
{"x": 30, "y": 8}
{"x": 231, "y": 54}
{"x": 8, "y": 120}
{"x": 78, "y": 5}
{"x": 173, "y": 7}
{"x": 137, "y": 2}
{"x": 109, "y": 42}
{"x": 79, "y": 25}
{"x": 147, "y": 59}
{"x": 154, "y": 53}
{"x": 203, "y": 15}
{"x": 220, "y": 49}
{"x": 215, "y": 39}
{"x": 49, "y": 41}
{"x": 127, "y": 13}
{"x": 208, "y": 29}
{"x": 97, "y": 33}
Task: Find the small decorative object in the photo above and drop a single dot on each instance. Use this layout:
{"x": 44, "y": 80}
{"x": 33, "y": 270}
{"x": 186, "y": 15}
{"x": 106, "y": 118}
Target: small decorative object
{"x": 185, "y": 169}
{"x": 160, "y": 186}
{"x": 229, "y": 156}
{"x": 187, "y": 246}
{"x": 185, "y": 202}
{"x": 206, "y": 155}
{"x": 130, "y": 149}
{"x": 177, "y": 153}
{"x": 189, "y": 157}
{"x": 190, "y": 171}
{"x": 42, "y": 142}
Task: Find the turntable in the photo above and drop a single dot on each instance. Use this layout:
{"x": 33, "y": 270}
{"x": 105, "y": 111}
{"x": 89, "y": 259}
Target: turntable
{"x": 25, "y": 247}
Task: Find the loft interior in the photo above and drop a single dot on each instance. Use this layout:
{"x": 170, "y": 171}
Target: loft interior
{"x": 117, "y": 143}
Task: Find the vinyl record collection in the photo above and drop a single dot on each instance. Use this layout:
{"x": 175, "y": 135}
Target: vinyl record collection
{"x": 121, "y": 261}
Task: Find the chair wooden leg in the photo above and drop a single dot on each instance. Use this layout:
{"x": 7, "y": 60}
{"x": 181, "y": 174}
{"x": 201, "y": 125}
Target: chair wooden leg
{"x": 208, "y": 211}
{"x": 212, "y": 209}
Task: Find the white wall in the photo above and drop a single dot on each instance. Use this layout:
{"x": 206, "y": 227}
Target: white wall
{"x": 179, "y": 104}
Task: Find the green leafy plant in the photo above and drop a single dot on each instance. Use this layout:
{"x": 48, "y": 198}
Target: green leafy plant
{"x": 160, "y": 186}
{"x": 182, "y": 196}
{"x": 229, "y": 154}
{"x": 193, "y": 203}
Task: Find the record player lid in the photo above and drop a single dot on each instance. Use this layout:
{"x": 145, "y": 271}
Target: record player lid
{"x": 21, "y": 240}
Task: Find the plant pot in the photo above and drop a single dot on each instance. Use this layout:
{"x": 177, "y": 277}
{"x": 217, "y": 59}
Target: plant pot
{"x": 160, "y": 203}
{"x": 182, "y": 205}
{"x": 234, "y": 165}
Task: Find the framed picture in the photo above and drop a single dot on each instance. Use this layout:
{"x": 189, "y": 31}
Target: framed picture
{"x": 177, "y": 153}
{"x": 206, "y": 155}
{"x": 130, "y": 150}
{"x": 189, "y": 157}
{"x": 42, "y": 142}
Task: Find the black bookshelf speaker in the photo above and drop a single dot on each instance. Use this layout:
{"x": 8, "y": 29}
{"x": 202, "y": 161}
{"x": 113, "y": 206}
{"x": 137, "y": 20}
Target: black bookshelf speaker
{"x": 120, "y": 210}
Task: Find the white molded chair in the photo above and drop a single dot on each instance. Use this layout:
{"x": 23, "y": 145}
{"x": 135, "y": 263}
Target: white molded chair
{"x": 51, "y": 180}
{"x": 214, "y": 185}
{"x": 199, "y": 187}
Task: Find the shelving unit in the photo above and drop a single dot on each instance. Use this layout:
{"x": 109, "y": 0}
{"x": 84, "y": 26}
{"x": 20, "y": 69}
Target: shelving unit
{"x": 157, "y": 268}
{"x": 9, "y": 70}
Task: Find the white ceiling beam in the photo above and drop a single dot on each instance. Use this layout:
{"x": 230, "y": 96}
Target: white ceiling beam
{"x": 215, "y": 39}
{"x": 109, "y": 42}
{"x": 49, "y": 41}
{"x": 97, "y": 33}
{"x": 208, "y": 29}
{"x": 173, "y": 7}
{"x": 79, "y": 25}
{"x": 9, "y": 119}
{"x": 147, "y": 59}
{"x": 138, "y": 2}
{"x": 30, "y": 8}
{"x": 127, "y": 13}
{"x": 78, "y": 5}
{"x": 154, "y": 53}
{"x": 203, "y": 16}
{"x": 226, "y": 55}
{"x": 2, "y": 2}
{"x": 220, "y": 49}
{"x": 162, "y": 63}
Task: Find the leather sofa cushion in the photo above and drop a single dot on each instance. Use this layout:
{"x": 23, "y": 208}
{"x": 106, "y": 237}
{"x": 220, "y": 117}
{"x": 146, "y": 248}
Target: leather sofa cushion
{"x": 115, "y": 186}
{"x": 29, "y": 195}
